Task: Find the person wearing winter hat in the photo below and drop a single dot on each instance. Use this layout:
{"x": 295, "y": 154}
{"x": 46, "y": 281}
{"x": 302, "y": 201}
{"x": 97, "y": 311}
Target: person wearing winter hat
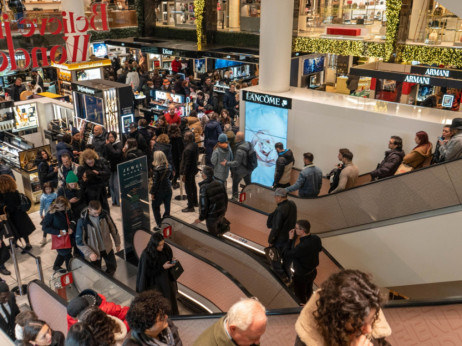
{"x": 78, "y": 307}
{"x": 73, "y": 193}
{"x": 221, "y": 152}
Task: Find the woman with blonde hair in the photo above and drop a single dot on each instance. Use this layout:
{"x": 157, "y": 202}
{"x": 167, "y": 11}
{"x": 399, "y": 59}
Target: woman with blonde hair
{"x": 58, "y": 221}
{"x": 93, "y": 176}
{"x": 10, "y": 203}
{"x": 161, "y": 190}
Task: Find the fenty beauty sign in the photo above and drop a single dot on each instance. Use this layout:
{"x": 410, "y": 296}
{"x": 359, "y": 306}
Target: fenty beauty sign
{"x": 71, "y": 26}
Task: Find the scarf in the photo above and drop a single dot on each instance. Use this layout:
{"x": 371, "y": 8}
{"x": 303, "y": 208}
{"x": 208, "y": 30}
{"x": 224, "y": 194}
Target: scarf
{"x": 165, "y": 338}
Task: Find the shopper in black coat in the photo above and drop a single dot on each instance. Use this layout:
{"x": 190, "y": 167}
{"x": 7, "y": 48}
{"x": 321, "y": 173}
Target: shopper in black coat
{"x": 155, "y": 261}
{"x": 176, "y": 140}
{"x": 8, "y": 298}
{"x": 188, "y": 169}
{"x": 163, "y": 144}
{"x": 10, "y": 202}
{"x": 93, "y": 176}
{"x": 114, "y": 155}
{"x": 46, "y": 173}
{"x": 131, "y": 150}
{"x": 211, "y": 132}
{"x": 140, "y": 140}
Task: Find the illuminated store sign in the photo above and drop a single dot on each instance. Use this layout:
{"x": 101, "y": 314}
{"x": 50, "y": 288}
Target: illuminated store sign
{"x": 270, "y": 100}
{"x": 72, "y": 27}
{"x": 437, "y": 73}
{"x": 166, "y": 51}
{"x": 417, "y": 79}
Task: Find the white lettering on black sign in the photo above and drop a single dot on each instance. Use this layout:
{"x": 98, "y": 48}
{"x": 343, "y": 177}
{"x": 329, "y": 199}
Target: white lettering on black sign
{"x": 269, "y": 100}
{"x": 417, "y": 79}
{"x": 437, "y": 72}
{"x": 85, "y": 90}
{"x": 166, "y": 51}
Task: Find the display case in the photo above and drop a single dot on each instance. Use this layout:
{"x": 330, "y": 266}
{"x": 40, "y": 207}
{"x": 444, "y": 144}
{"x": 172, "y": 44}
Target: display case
{"x": 10, "y": 154}
{"x": 25, "y": 117}
{"x": 6, "y": 116}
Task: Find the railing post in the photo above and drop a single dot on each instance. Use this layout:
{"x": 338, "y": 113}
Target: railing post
{"x": 38, "y": 261}
{"x": 16, "y": 268}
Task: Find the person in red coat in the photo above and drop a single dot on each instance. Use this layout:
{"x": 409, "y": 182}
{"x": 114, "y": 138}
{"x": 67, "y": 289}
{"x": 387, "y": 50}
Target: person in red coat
{"x": 176, "y": 65}
{"x": 172, "y": 117}
{"x": 89, "y": 298}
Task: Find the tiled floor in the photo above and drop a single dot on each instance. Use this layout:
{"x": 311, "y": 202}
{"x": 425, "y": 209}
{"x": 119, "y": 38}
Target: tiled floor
{"x": 27, "y": 265}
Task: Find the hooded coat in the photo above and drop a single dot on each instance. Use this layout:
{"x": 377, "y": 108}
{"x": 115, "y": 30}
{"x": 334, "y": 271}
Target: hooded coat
{"x": 284, "y": 165}
{"x": 220, "y": 153}
{"x": 419, "y": 156}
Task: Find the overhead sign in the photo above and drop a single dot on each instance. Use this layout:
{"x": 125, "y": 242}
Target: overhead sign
{"x": 86, "y": 90}
{"x": 83, "y": 65}
{"x": 269, "y": 100}
{"x": 72, "y": 26}
{"x": 166, "y": 51}
{"x": 417, "y": 79}
{"x": 436, "y": 72}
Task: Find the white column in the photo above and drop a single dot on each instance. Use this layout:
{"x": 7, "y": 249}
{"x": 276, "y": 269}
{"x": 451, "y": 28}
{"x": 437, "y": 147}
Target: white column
{"x": 418, "y": 19}
{"x": 234, "y": 14}
{"x": 77, "y": 7}
{"x": 276, "y": 23}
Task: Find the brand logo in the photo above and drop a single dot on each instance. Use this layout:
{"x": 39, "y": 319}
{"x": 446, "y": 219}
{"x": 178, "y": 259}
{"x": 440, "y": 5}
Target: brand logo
{"x": 166, "y": 51}
{"x": 269, "y": 100}
{"x": 85, "y": 90}
{"x": 437, "y": 73}
{"x": 417, "y": 79}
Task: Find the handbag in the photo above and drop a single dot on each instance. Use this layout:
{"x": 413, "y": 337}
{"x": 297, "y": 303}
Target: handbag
{"x": 59, "y": 242}
{"x": 7, "y": 229}
{"x": 25, "y": 204}
{"x": 403, "y": 168}
{"x": 175, "y": 271}
{"x": 272, "y": 254}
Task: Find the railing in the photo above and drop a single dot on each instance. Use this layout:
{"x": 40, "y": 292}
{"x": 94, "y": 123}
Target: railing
{"x": 435, "y": 187}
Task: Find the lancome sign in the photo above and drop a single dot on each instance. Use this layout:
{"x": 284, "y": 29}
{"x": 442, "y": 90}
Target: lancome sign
{"x": 270, "y": 100}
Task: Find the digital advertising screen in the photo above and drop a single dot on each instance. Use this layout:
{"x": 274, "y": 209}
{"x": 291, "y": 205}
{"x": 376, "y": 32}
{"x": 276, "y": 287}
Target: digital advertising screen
{"x": 200, "y": 66}
{"x": 448, "y": 100}
{"x": 100, "y": 50}
{"x": 89, "y": 108}
{"x": 264, "y": 127}
{"x": 313, "y": 65}
{"x": 94, "y": 73}
{"x": 126, "y": 121}
{"x": 25, "y": 117}
{"x": 163, "y": 95}
{"x": 222, "y": 63}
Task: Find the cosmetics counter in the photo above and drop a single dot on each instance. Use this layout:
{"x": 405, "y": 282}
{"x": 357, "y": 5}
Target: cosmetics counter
{"x": 160, "y": 102}
{"x": 105, "y": 103}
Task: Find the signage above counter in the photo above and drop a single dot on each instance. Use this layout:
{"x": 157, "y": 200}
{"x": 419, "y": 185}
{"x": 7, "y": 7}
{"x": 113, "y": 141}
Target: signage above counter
{"x": 436, "y": 72}
{"x": 265, "y": 99}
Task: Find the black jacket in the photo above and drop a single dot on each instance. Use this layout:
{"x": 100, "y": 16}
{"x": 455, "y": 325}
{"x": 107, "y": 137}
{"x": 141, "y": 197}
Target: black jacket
{"x": 283, "y": 160}
{"x": 229, "y": 102}
{"x": 389, "y": 165}
{"x": 142, "y": 145}
{"x": 77, "y": 207}
{"x": 99, "y": 142}
{"x": 23, "y": 225}
{"x": 46, "y": 172}
{"x": 189, "y": 159}
{"x": 281, "y": 221}
{"x": 166, "y": 149}
{"x": 141, "y": 339}
{"x": 177, "y": 150}
{"x": 133, "y": 153}
{"x": 54, "y": 223}
{"x": 114, "y": 154}
{"x": 62, "y": 148}
{"x": 304, "y": 256}
{"x": 94, "y": 180}
{"x": 213, "y": 199}
{"x": 8, "y": 326}
{"x": 160, "y": 180}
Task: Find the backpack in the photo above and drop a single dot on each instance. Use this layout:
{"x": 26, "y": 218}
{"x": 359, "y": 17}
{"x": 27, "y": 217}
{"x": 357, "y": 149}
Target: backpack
{"x": 252, "y": 161}
{"x": 25, "y": 204}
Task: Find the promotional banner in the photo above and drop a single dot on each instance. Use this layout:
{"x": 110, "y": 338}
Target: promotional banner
{"x": 264, "y": 127}
{"x": 134, "y": 193}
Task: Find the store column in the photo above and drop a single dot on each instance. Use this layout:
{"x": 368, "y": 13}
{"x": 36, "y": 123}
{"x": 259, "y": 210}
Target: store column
{"x": 418, "y": 20}
{"x": 275, "y": 45}
{"x": 77, "y": 7}
{"x": 234, "y": 14}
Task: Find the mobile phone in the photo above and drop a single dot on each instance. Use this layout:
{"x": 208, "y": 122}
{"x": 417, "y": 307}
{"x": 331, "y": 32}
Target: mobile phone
{"x": 173, "y": 262}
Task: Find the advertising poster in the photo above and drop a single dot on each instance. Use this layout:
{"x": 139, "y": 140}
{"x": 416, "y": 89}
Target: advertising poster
{"x": 264, "y": 127}
{"x": 134, "y": 194}
{"x": 25, "y": 117}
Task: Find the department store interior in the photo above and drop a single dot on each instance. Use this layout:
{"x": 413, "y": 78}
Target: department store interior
{"x": 340, "y": 74}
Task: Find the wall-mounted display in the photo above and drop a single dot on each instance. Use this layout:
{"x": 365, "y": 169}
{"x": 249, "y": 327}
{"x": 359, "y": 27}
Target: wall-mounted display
{"x": 264, "y": 127}
{"x": 89, "y": 74}
{"x": 200, "y": 66}
{"x": 313, "y": 65}
{"x": 25, "y": 117}
{"x": 100, "y": 50}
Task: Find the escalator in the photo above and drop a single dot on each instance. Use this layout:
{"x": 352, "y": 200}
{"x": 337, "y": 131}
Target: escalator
{"x": 403, "y": 229}
{"x": 249, "y": 269}
{"x": 412, "y": 322}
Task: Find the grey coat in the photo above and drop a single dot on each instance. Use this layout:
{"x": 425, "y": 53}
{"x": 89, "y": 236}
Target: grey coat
{"x": 453, "y": 149}
{"x": 239, "y": 165}
{"x": 219, "y": 154}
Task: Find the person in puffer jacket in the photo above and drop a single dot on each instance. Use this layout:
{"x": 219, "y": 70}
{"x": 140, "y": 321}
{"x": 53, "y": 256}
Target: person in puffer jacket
{"x": 284, "y": 165}
{"x": 392, "y": 160}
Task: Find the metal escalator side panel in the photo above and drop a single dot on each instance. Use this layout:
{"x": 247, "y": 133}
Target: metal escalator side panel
{"x": 254, "y": 276}
{"x": 87, "y": 276}
{"x": 48, "y": 305}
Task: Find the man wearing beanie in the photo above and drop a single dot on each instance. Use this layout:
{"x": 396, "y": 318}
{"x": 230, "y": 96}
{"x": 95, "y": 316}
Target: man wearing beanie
{"x": 213, "y": 202}
{"x": 67, "y": 165}
{"x": 222, "y": 152}
{"x": 8, "y": 310}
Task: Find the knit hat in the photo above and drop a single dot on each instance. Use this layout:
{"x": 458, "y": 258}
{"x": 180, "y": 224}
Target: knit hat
{"x": 223, "y": 138}
{"x": 71, "y": 178}
{"x": 76, "y": 306}
{"x": 74, "y": 131}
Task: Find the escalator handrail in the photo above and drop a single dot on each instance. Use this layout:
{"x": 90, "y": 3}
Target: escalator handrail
{"x": 103, "y": 274}
{"x": 359, "y": 186}
{"x": 214, "y": 265}
{"x": 327, "y": 253}
{"x": 240, "y": 248}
